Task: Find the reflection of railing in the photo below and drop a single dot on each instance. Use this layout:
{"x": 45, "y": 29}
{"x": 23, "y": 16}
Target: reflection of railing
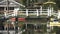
{"x": 5, "y": 32}
{"x": 1, "y": 15}
{"x": 11, "y": 32}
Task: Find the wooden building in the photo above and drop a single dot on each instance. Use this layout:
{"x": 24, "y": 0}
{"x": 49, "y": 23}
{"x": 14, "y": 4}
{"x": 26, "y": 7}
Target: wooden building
{"x": 12, "y": 4}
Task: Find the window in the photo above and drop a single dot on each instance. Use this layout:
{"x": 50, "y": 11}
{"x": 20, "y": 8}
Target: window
{"x": 1, "y": 8}
{"x": 10, "y": 8}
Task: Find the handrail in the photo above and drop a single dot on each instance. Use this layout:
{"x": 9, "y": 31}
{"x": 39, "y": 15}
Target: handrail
{"x": 37, "y": 12}
{"x": 32, "y": 9}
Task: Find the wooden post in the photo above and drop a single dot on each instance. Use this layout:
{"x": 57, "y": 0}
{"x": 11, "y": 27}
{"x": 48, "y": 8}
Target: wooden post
{"x": 48, "y": 11}
{"x": 37, "y": 12}
{"x": 26, "y": 12}
{"x": 41, "y": 10}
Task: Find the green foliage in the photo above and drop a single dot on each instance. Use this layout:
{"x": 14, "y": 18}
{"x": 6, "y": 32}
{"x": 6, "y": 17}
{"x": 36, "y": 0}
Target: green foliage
{"x": 23, "y": 2}
{"x": 58, "y": 3}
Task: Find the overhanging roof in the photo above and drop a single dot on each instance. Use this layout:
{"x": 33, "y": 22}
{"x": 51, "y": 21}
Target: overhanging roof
{"x": 11, "y": 3}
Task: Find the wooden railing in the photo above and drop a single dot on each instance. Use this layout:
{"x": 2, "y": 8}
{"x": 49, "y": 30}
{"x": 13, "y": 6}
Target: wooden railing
{"x": 36, "y": 12}
{"x": 33, "y": 12}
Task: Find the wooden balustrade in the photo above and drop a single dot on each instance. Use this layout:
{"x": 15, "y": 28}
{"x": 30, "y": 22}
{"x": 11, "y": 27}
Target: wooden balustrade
{"x": 33, "y": 12}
